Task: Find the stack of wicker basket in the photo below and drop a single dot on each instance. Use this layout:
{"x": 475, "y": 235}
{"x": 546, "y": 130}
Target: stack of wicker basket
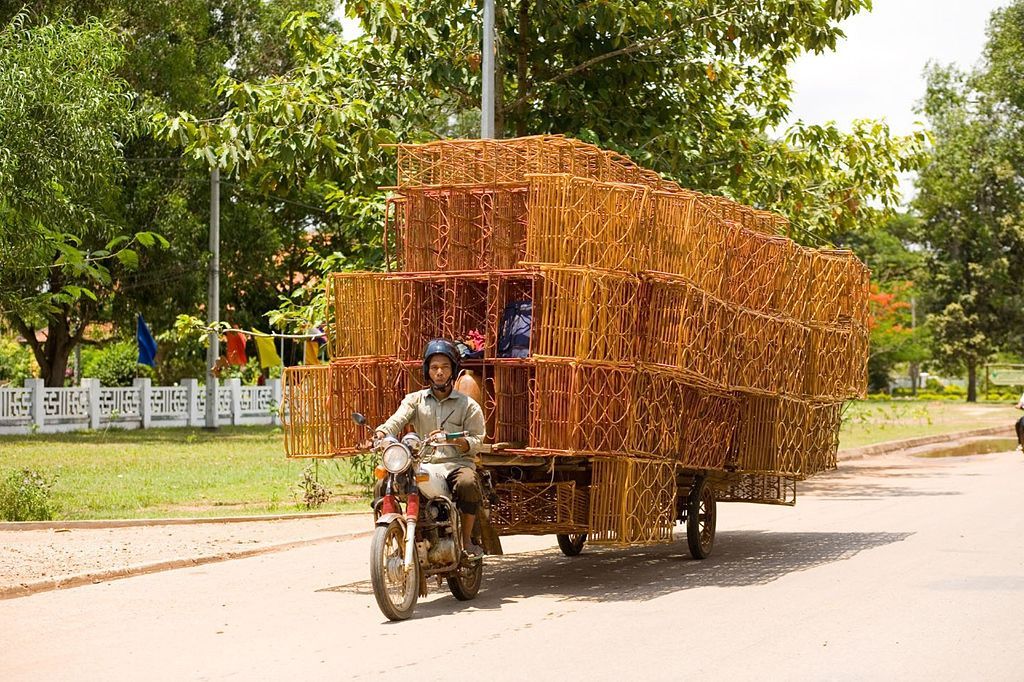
{"x": 670, "y": 329}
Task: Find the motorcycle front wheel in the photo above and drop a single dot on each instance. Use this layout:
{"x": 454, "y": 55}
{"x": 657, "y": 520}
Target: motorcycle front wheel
{"x": 396, "y": 589}
{"x": 465, "y": 581}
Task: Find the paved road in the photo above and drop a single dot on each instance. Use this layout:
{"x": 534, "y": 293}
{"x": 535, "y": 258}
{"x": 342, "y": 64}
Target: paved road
{"x": 892, "y": 566}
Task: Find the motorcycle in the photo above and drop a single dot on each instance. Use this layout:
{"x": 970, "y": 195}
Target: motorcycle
{"x": 426, "y": 539}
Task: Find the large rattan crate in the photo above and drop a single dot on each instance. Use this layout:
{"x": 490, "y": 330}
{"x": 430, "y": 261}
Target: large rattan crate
{"x": 539, "y": 508}
{"x": 319, "y": 401}
{"x": 632, "y": 501}
{"x": 785, "y": 437}
{"x": 759, "y": 488}
{"x": 467, "y": 227}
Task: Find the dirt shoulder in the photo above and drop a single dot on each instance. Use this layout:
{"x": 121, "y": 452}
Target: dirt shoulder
{"x": 35, "y": 560}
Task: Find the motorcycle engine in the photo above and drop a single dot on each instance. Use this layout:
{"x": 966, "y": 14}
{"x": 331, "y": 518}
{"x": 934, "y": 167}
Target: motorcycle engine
{"x": 442, "y": 552}
{"x": 437, "y": 512}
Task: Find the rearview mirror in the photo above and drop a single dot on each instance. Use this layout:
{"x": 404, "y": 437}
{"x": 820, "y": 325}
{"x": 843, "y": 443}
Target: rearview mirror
{"x": 359, "y": 418}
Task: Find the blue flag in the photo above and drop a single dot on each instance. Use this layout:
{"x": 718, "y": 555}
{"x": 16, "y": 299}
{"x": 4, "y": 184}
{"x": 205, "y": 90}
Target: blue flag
{"x": 147, "y": 344}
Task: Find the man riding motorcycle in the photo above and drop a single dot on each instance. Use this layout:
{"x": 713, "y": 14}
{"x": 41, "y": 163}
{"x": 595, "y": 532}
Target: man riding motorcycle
{"x": 441, "y": 409}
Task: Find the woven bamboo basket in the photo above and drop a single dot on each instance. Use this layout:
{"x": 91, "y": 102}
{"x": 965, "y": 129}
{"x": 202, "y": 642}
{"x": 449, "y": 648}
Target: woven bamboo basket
{"x": 306, "y": 416}
{"x": 759, "y": 488}
{"x": 632, "y": 501}
{"x": 756, "y": 267}
{"x": 837, "y": 363}
{"x": 582, "y": 407}
{"x": 443, "y": 305}
{"x": 513, "y": 384}
{"x": 792, "y": 294}
{"x": 784, "y": 437}
{"x": 689, "y": 240}
{"x": 539, "y": 508}
{"x": 584, "y": 222}
{"x": 367, "y": 314}
{"x": 588, "y": 314}
{"x": 839, "y": 289}
{"x": 461, "y": 162}
{"x": 823, "y": 438}
{"x": 472, "y": 227}
{"x": 682, "y": 329}
{"x": 765, "y": 354}
{"x": 673, "y": 419}
{"x": 321, "y": 399}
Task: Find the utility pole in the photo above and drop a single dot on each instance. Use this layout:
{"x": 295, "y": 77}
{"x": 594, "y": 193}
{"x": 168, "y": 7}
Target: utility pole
{"x": 213, "y": 301}
{"x": 487, "y": 103}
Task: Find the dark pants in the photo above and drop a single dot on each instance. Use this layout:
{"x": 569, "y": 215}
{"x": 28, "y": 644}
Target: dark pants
{"x": 465, "y": 487}
{"x": 1020, "y": 431}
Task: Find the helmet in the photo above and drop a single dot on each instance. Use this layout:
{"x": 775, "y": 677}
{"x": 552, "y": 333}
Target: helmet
{"x": 441, "y": 347}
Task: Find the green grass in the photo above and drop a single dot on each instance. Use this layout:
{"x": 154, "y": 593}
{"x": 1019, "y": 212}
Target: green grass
{"x": 160, "y": 473}
{"x": 237, "y": 471}
{"x": 867, "y": 423}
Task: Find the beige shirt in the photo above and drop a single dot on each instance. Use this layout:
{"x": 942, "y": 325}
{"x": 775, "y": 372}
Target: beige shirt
{"x": 457, "y": 412}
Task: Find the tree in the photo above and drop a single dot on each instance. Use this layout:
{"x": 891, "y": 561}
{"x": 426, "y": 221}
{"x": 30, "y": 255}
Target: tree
{"x": 898, "y": 269}
{"x": 173, "y": 52}
{"x": 64, "y": 116}
{"x": 970, "y": 204}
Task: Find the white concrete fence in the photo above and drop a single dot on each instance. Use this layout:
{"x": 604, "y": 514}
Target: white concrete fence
{"x": 38, "y": 409}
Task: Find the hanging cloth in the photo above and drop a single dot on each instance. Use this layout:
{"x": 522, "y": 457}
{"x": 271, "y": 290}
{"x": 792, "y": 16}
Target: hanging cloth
{"x": 266, "y": 351}
{"x": 236, "y": 348}
{"x": 147, "y": 344}
{"x": 311, "y": 353}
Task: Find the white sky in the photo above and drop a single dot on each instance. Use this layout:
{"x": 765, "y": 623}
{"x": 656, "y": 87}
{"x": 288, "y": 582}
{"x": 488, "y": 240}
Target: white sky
{"x": 876, "y": 71}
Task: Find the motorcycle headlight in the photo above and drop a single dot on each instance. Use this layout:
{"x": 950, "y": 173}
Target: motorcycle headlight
{"x": 396, "y": 458}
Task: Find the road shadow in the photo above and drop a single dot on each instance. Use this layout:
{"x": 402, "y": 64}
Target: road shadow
{"x": 612, "y": 574}
{"x": 848, "y": 481}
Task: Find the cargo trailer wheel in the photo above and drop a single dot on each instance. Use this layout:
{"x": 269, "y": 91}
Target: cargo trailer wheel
{"x": 700, "y": 518}
{"x": 571, "y": 544}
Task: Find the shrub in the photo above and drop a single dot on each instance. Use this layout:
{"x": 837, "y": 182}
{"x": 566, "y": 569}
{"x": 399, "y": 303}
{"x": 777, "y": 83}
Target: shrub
{"x": 25, "y": 496}
{"x": 314, "y": 493}
{"x": 181, "y": 357}
{"x": 116, "y": 365}
{"x": 16, "y": 362}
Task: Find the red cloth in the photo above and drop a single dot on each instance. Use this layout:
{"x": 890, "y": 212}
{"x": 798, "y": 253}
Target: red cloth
{"x": 236, "y": 348}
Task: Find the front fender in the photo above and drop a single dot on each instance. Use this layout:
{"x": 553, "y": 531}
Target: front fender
{"x": 386, "y": 519}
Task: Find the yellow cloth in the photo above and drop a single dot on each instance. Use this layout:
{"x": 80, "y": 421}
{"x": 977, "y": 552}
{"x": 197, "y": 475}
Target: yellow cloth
{"x": 311, "y": 354}
{"x": 265, "y": 349}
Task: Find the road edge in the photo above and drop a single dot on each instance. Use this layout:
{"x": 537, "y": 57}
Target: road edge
{"x": 908, "y": 443}
{"x": 187, "y": 520}
{"x": 79, "y": 579}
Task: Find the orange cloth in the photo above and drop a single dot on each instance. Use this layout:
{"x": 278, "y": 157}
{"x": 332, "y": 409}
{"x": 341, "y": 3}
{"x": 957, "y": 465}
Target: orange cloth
{"x": 236, "y": 348}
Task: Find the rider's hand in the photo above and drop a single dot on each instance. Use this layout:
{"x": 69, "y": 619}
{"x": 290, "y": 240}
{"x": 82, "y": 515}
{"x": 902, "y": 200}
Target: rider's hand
{"x": 437, "y": 437}
{"x": 371, "y": 443}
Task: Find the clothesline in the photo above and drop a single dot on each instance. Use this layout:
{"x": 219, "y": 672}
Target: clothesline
{"x": 311, "y": 335}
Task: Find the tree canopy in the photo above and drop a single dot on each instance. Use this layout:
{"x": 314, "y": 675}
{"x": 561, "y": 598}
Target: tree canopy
{"x": 693, "y": 89}
{"x": 160, "y": 56}
{"x": 970, "y": 202}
